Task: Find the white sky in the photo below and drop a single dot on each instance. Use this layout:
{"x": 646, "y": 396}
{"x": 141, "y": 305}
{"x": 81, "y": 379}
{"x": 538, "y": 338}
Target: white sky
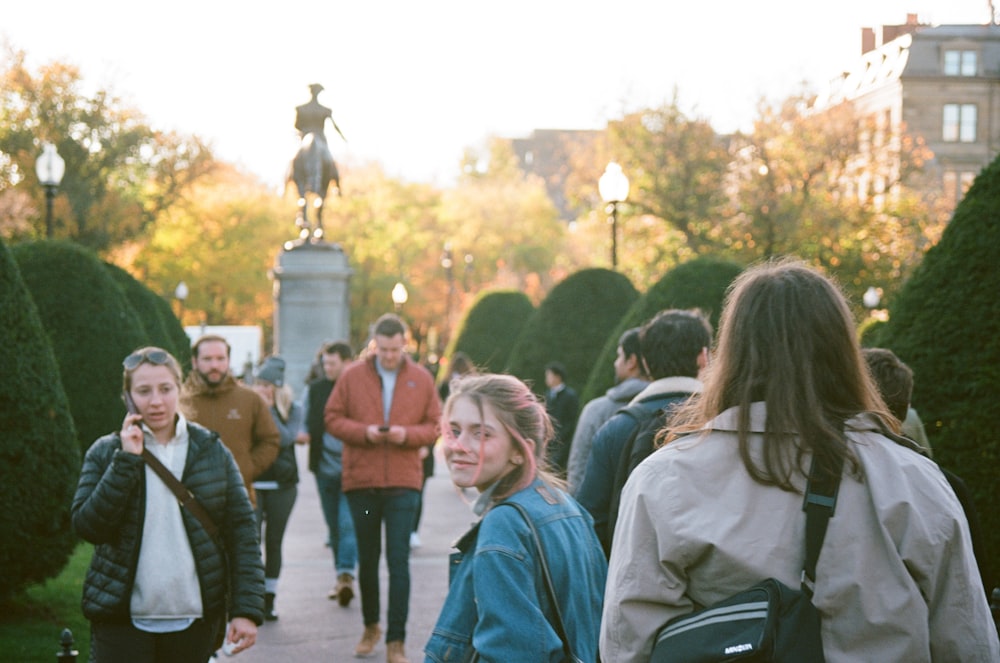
{"x": 411, "y": 84}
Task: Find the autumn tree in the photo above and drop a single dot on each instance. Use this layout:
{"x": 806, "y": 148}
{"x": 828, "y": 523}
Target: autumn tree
{"x": 221, "y": 238}
{"x": 120, "y": 173}
{"x": 833, "y": 186}
{"x": 506, "y": 219}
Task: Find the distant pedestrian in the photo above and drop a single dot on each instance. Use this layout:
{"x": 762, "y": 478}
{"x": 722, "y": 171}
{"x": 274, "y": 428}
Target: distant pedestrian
{"x": 384, "y": 409}
{"x": 211, "y": 397}
{"x": 277, "y": 487}
{"x": 326, "y": 464}
{"x": 630, "y": 379}
{"x": 563, "y": 406}
{"x": 160, "y": 584}
{"x": 674, "y": 347}
{"x": 494, "y": 437}
{"x": 719, "y": 507}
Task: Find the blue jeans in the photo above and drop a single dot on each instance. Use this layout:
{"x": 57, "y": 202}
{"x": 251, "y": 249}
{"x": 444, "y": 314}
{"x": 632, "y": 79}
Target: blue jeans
{"x": 397, "y": 507}
{"x": 337, "y": 514}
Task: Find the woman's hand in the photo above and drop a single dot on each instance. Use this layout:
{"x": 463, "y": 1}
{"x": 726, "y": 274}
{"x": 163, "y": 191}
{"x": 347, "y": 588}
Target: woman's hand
{"x": 131, "y": 434}
{"x": 242, "y": 633}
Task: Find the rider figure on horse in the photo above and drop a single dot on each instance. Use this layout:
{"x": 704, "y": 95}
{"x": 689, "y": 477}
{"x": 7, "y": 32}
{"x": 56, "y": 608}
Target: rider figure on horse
{"x": 311, "y": 117}
{"x": 313, "y": 168}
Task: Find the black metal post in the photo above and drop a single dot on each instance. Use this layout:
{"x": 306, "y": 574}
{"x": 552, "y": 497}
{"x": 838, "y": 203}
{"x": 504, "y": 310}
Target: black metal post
{"x": 50, "y": 194}
{"x": 67, "y": 654}
{"x": 614, "y": 235}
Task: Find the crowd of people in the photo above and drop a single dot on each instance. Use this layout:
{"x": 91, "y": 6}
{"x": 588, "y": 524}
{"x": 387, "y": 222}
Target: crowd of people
{"x": 680, "y": 486}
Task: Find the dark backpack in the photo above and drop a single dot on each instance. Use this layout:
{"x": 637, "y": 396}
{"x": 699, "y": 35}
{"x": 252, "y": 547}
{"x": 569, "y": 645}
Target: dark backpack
{"x": 639, "y": 445}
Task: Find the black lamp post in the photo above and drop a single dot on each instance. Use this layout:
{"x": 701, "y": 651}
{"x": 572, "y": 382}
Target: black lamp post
{"x": 50, "y": 168}
{"x": 613, "y": 187}
{"x": 448, "y": 264}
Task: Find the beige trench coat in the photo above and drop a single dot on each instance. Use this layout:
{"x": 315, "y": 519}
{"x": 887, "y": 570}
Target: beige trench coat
{"x": 896, "y": 578}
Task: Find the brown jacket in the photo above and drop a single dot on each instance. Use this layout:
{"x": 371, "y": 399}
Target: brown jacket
{"x": 240, "y": 417}
{"x": 356, "y": 402}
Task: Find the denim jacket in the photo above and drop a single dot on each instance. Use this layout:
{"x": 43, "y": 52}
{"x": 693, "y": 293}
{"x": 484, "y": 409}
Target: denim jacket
{"x": 497, "y": 600}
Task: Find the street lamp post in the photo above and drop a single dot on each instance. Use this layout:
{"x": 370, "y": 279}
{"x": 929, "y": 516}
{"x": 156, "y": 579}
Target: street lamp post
{"x": 181, "y": 293}
{"x": 448, "y": 264}
{"x": 50, "y": 168}
{"x": 613, "y": 187}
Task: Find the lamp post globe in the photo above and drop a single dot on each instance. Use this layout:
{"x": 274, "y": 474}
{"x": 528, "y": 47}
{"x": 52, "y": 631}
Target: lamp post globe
{"x": 399, "y": 295}
{"x": 613, "y": 187}
{"x": 50, "y": 168}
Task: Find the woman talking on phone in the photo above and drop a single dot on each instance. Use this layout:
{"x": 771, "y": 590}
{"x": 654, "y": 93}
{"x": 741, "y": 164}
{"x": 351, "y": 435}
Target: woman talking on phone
{"x": 156, "y": 590}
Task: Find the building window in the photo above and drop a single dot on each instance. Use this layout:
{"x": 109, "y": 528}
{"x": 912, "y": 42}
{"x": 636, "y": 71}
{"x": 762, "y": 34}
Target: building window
{"x": 959, "y": 123}
{"x": 956, "y": 183}
{"x": 960, "y": 63}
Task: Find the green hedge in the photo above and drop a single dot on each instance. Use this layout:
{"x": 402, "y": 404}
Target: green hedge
{"x": 91, "y": 326}
{"x": 489, "y": 330}
{"x": 945, "y": 324}
{"x": 571, "y": 325}
{"x": 700, "y": 283}
{"x": 158, "y": 320}
{"x": 39, "y": 457}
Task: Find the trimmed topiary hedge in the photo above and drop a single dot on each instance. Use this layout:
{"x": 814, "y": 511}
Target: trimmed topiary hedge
{"x": 91, "y": 326}
{"x": 162, "y": 326}
{"x": 571, "y": 325}
{"x": 491, "y": 327}
{"x": 699, "y": 283}
{"x": 39, "y": 456}
{"x": 945, "y": 324}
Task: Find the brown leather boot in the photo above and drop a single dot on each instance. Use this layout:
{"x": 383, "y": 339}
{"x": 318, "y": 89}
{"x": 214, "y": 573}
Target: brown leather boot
{"x": 368, "y": 641}
{"x": 345, "y": 589}
{"x": 394, "y": 652}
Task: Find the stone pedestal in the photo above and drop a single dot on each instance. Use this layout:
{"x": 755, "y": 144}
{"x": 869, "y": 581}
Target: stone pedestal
{"x": 311, "y": 304}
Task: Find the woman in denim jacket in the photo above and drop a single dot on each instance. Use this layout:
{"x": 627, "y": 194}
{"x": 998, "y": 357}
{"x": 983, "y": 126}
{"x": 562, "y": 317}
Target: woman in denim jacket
{"x": 497, "y": 609}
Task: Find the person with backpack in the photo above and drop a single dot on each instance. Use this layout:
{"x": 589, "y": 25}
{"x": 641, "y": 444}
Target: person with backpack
{"x": 719, "y": 508}
{"x": 630, "y": 379}
{"x": 674, "y": 347}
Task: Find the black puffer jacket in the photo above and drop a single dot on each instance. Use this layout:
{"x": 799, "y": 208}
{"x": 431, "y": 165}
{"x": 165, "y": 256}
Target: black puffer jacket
{"x": 108, "y": 511}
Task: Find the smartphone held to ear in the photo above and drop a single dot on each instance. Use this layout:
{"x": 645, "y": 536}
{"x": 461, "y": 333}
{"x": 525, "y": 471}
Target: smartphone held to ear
{"x": 129, "y": 403}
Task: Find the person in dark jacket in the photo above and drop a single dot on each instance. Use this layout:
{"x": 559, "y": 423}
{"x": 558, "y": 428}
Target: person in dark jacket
{"x": 277, "y": 487}
{"x": 325, "y": 462}
{"x": 159, "y": 587}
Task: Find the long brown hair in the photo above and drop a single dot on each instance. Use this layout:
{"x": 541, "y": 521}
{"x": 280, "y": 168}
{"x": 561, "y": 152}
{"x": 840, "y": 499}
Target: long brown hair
{"x": 787, "y": 338}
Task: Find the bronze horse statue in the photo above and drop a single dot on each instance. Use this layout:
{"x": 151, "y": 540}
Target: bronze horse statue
{"x": 313, "y": 167}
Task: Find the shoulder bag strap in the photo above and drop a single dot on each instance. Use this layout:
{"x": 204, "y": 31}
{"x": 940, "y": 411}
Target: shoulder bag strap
{"x": 549, "y": 588}
{"x": 820, "y": 500}
{"x": 184, "y": 496}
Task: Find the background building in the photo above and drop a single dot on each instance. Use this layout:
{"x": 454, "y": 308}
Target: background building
{"x": 938, "y": 83}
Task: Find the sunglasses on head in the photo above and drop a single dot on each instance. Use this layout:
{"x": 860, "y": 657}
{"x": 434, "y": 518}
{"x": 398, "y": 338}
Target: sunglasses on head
{"x": 157, "y": 357}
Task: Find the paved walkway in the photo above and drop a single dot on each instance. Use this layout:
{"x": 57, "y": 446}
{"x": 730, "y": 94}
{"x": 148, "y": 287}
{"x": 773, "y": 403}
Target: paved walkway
{"x": 313, "y": 628}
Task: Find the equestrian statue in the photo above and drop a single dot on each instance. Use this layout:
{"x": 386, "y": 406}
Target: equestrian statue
{"x": 313, "y": 168}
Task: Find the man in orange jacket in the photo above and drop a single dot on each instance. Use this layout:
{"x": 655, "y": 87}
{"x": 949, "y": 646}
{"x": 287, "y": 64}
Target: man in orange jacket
{"x": 384, "y": 409}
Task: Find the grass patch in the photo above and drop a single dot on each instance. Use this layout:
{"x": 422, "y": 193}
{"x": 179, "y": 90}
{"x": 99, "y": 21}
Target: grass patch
{"x": 32, "y": 621}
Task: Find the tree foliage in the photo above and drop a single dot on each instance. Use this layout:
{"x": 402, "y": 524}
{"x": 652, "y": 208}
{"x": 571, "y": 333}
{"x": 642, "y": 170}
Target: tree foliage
{"x": 39, "y": 457}
{"x": 570, "y": 326}
{"x": 945, "y": 324}
{"x": 120, "y": 173}
{"x": 221, "y": 239}
{"x": 836, "y": 188}
{"x": 91, "y": 327}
